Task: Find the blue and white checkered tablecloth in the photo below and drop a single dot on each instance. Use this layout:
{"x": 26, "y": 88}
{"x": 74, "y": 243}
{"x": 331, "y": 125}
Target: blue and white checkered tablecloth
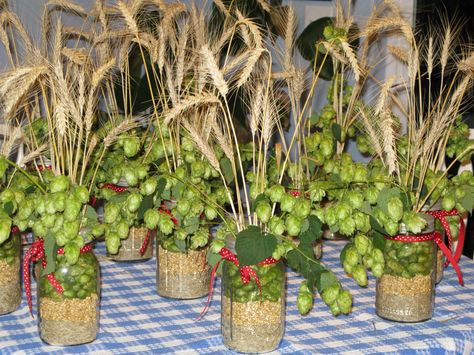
{"x": 134, "y": 319}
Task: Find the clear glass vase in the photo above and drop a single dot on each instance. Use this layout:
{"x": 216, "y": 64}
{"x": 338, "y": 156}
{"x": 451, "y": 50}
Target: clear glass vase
{"x": 72, "y": 317}
{"x": 130, "y": 247}
{"x": 439, "y": 254}
{"x": 10, "y": 289}
{"x": 405, "y": 292}
{"x": 182, "y": 275}
{"x": 252, "y": 322}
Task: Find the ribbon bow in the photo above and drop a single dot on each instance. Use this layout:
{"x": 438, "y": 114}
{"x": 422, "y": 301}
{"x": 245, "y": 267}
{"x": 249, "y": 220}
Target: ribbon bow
{"x": 436, "y": 236}
{"x": 441, "y": 216}
{"x": 246, "y": 273}
{"x": 35, "y": 253}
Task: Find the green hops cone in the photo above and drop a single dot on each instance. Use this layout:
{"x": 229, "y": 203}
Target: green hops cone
{"x": 362, "y": 244}
{"x": 304, "y": 300}
{"x": 330, "y": 294}
{"x": 360, "y": 275}
{"x": 111, "y": 212}
{"x": 264, "y": 211}
{"x": 344, "y": 302}
{"x": 275, "y": 193}
{"x": 59, "y": 183}
{"x": 395, "y": 209}
{"x": 151, "y": 218}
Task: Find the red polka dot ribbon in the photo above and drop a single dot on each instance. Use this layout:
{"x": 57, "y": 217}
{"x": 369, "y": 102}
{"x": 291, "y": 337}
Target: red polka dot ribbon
{"x": 35, "y": 253}
{"x": 145, "y": 243}
{"x": 113, "y": 187}
{"x": 14, "y": 230}
{"x": 246, "y": 272}
{"x": 441, "y": 216}
{"x": 436, "y": 236}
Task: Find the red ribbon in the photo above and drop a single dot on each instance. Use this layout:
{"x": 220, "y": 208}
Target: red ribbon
{"x": 436, "y": 236}
{"x": 113, "y": 187}
{"x": 35, "y": 253}
{"x": 441, "y": 215}
{"x": 14, "y": 230}
{"x": 246, "y": 273}
{"x": 145, "y": 242}
{"x": 164, "y": 209}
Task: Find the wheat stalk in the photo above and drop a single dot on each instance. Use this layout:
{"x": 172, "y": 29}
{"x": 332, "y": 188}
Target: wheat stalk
{"x": 191, "y": 102}
{"x": 213, "y": 70}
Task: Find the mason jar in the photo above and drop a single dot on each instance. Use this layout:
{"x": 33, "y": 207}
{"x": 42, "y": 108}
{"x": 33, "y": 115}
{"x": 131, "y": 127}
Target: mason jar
{"x": 182, "y": 275}
{"x": 10, "y": 262}
{"x": 439, "y": 253}
{"x": 72, "y": 317}
{"x": 405, "y": 292}
{"x": 253, "y": 322}
{"x": 130, "y": 247}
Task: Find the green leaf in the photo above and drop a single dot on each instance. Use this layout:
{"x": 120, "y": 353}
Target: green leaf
{"x": 259, "y": 198}
{"x": 325, "y": 280}
{"x": 336, "y": 131}
{"x": 378, "y": 241}
{"x": 160, "y": 186}
{"x": 119, "y": 198}
{"x": 468, "y": 200}
{"x": 312, "y": 233}
{"x": 177, "y": 190}
{"x": 8, "y": 208}
{"x": 226, "y": 168}
{"x": 306, "y": 44}
{"x": 385, "y": 195}
{"x": 366, "y": 208}
{"x": 376, "y": 226}
{"x": 166, "y": 195}
{"x": 192, "y": 225}
{"x": 91, "y": 214}
{"x": 147, "y": 203}
{"x": 50, "y": 252}
{"x": 213, "y": 259}
{"x": 181, "y": 245}
{"x": 252, "y": 246}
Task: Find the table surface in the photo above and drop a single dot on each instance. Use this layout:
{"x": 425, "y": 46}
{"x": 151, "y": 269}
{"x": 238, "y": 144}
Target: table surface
{"x": 134, "y": 319}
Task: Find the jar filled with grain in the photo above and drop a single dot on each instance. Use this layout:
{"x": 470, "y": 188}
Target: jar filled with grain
{"x": 10, "y": 289}
{"x": 253, "y": 318}
{"x": 182, "y": 274}
{"x": 138, "y": 246}
{"x": 405, "y": 292}
{"x": 70, "y": 317}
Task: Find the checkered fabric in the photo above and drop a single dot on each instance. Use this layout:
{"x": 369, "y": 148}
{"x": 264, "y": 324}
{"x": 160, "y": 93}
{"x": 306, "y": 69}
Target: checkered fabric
{"x": 134, "y": 319}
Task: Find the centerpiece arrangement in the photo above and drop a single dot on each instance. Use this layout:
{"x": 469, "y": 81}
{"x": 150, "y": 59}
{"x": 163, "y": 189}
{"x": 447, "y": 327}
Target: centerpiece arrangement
{"x": 58, "y": 89}
{"x": 146, "y": 113}
{"x": 404, "y": 186}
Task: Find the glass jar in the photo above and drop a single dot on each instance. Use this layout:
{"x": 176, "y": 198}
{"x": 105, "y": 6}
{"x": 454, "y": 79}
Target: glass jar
{"x": 439, "y": 253}
{"x": 72, "y": 317}
{"x": 250, "y": 323}
{"x": 405, "y": 292}
{"x": 130, "y": 247}
{"x": 10, "y": 289}
{"x": 182, "y": 275}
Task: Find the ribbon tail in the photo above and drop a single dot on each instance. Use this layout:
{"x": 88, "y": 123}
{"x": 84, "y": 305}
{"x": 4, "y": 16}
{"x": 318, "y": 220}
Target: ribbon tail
{"x": 211, "y": 289}
{"x": 461, "y": 237}
{"x": 145, "y": 243}
{"x": 451, "y": 259}
{"x": 26, "y": 279}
